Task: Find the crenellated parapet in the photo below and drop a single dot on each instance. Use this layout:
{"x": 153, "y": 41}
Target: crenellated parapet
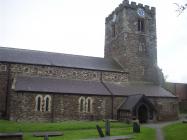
{"x": 132, "y": 5}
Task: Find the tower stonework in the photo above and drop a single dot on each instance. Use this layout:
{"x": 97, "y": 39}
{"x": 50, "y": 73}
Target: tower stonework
{"x": 130, "y": 39}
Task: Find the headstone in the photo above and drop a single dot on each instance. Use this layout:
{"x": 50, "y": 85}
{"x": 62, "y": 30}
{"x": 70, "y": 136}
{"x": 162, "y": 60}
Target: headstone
{"x": 100, "y": 131}
{"x": 136, "y": 126}
{"x": 107, "y": 128}
{"x": 46, "y": 137}
{"x": 184, "y": 121}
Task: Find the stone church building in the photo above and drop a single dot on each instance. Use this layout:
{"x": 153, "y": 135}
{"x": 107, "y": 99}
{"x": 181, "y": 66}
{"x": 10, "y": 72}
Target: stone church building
{"x": 125, "y": 84}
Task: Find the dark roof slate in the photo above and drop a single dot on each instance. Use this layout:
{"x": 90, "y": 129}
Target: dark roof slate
{"x": 133, "y": 100}
{"x": 130, "y": 102}
{"x": 133, "y": 89}
{"x": 57, "y": 59}
{"x": 51, "y": 85}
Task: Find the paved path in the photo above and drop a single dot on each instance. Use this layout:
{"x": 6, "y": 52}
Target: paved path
{"x": 159, "y": 126}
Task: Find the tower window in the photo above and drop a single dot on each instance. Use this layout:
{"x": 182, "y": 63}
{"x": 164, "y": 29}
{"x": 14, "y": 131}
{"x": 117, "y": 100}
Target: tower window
{"x": 141, "y": 25}
{"x": 142, "y": 70}
{"x": 142, "y": 47}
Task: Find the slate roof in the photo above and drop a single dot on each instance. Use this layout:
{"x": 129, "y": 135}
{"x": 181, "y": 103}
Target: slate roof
{"x": 130, "y": 103}
{"x": 134, "y": 89}
{"x": 51, "y": 85}
{"x": 57, "y": 59}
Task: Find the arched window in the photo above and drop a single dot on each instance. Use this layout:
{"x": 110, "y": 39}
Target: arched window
{"x": 89, "y": 104}
{"x": 38, "y": 103}
{"x": 141, "y": 25}
{"x": 142, "y": 47}
{"x": 47, "y": 103}
{"x": 82, "y": 104}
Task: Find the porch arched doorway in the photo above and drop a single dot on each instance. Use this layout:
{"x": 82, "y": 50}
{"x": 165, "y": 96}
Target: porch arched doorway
{"x": 136, "y": 106}
{"x": 143, "y": 113}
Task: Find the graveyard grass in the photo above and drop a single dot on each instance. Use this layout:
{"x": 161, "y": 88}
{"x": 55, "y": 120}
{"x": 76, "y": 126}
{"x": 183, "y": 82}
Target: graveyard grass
{"x": 74, "y": 130}
{"x": 176, "y": 131}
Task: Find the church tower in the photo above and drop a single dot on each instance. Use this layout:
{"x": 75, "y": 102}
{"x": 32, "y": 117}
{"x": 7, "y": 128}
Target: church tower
{"x": 130, "y": 39}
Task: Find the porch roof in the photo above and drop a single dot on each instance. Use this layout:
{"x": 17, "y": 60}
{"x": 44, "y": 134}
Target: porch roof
{"x": 148, "y": 89}
{"x": 132, "y": 101}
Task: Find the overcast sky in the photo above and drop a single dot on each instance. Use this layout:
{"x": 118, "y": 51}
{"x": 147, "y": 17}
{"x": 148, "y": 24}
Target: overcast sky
{"x": 78, "y": 26}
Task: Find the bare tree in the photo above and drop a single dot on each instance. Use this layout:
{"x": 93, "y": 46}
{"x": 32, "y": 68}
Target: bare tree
{"x": 180, "y": 8}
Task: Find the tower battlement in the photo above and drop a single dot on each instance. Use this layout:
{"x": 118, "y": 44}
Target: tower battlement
{"x": 130, "y": 39}
{"x": 132, "y": 5}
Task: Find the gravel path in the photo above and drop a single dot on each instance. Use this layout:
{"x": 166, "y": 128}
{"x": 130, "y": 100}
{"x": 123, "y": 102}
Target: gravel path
{"x": 159, "y": 126}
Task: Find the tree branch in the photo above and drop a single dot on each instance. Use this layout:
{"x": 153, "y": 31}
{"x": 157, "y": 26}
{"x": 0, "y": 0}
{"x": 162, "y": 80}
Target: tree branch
{"x": 180, "y": 8}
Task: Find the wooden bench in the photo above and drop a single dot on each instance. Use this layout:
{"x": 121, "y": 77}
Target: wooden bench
{"x": 49, "y": 134}
{"x": 113, "y": 138}
{"x": 11, "y": 136}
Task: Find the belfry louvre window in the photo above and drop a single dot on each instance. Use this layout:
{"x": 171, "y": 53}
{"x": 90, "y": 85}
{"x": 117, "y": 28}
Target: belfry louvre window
{"x": 141, "y": 25}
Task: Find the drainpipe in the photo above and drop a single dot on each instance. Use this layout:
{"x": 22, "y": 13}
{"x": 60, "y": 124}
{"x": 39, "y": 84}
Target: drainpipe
{"x": 7, "y": 93}
{"x": 112, "y": 96}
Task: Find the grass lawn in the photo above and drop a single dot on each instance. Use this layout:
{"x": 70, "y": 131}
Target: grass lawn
{"x": 176, "y": 131}
{"x": 74, "y": 130}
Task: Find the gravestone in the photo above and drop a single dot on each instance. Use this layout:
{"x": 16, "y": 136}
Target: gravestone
{"x": 184, "y": 121}
{"x": 107, "y": 128}
{"x": 100, "y": 131}
{"x": 136, "y": 126}
{"x": 46, "y": 137}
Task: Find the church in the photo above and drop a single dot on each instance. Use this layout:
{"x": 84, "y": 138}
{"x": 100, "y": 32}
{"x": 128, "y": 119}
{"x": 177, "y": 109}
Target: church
{"x": 125, "y": 84}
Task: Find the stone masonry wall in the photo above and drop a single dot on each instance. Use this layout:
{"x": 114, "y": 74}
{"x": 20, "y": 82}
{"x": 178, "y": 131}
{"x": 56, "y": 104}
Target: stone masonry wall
{"x": 66, "y": 107}
{"x": 117, "y": 102}
{"x": 167, "y": 108}
{"x": 54, "y": 72}
{"x": 135, "y": 50}
{"x": 3, "y": 88}
{"x": 66, "y": 73}
{"x": 63, "y": 107}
